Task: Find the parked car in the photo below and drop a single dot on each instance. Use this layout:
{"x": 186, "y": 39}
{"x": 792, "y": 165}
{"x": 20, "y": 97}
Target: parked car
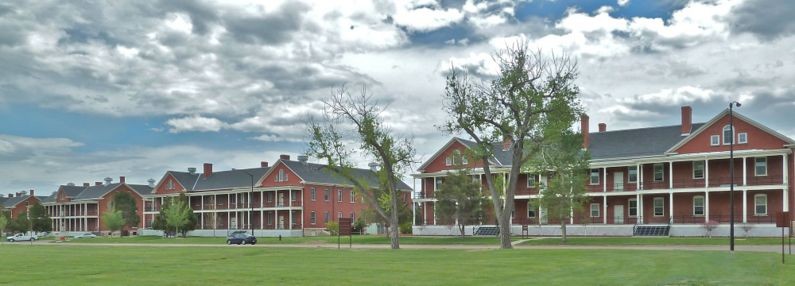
{"x": 85, "y": 235}
{"x": 241, "y": 238}
{"x": 22, "y": 237}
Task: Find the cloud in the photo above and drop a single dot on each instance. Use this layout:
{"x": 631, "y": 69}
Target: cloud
{"x": 623, "y": 3}
{"x": 767, "y": 19}
{"x": 195, "y": 123}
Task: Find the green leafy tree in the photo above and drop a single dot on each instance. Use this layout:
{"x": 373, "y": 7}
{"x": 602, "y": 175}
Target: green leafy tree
{"x": 459, "y": 200}
{"x": 19, "y": 224}
{"x": 562, "y": 154}
{"x": 39, "y": 218}
{"x": 178, "y": 215}
{"x": 175, "y": 206}
{"x": 3, "y": 223}
{"x": 113, "y": 219}
{"x": 125, "y": 203}
{"x": 375, "y": 140}
{"x": 515, "y": 106}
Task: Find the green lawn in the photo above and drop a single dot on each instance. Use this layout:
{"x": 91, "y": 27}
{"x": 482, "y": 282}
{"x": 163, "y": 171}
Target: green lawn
{"x": 298, "y": 240}
{"x": 240, "y": 265}
{"x": 653, "y": 241}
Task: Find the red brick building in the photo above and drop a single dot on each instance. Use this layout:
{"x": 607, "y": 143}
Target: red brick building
{"x": 672, "y": 176}
{"x": 289, "y": 198}
{"x": 80, "y": 208}
{"x": 18, "y": 203}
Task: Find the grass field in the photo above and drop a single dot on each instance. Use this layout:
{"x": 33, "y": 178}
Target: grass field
{"x": 653, "y": 241}
{"x": 86, "y": 265}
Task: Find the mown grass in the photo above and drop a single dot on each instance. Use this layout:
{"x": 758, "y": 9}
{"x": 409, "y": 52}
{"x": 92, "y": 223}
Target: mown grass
{"x": 66, "y": 264}
{"x": 613, "y": 241}
{"x": 299, "y": 240}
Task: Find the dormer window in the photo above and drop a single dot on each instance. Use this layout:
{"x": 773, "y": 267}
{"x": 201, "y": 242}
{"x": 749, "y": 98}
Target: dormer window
{"x": 170, "y": 185}
{"x": 728, "y": 135}
{"x": 742, "y": 138}
{"x": 281, "y": 176}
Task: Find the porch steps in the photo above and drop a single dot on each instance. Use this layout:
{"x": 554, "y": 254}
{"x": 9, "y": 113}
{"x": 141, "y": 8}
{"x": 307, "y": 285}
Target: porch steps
{"x": 487, "y": 230}
{"x": 651, "y": 230}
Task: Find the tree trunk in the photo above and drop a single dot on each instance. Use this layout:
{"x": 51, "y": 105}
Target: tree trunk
{"x": 394, "y": 241}
{"x": 461, "y": 227}
{"x": 563, "y": 229}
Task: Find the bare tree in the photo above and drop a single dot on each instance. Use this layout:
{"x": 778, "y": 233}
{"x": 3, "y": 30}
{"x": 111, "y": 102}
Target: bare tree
{"x": 515, "y": 106}
{"x": 375, "y": 140}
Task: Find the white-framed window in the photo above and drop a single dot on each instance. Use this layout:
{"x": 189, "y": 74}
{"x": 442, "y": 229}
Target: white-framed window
{"x": 269, "y": 197}
{"x": 339, "y": 196}
{"x": 339, "y": 215}
{"x": 595, "y": 210}
{"x": 698, "y": 169}
{"x": 594, "y": 176}
{"x": 659, "y": 206}
{"x": 760, "y": 166}
{"x": 728, "y": 134}
{"x": 353, "y": 197}
{"x": 633, "y": 207}
{"x": 742, "y": 138}
{"x": 698, "y": 206}
{"x": 312, "y": 217}
{"x": 326, "y": 217}
{"x": 313, "y": 194}
{"x": 714, "y": 140}
{"x": 632, "y": 174}
{"x": 281, "y": 176}
{"x": 438, "y": 185}
{"x": 456, "y": 159}
{"x": 294, "y": 195}
{"x": 325, "y": 194}
{"x": 464, "y": 160}
{"x": 448, "y": 161}
{"x": 760, "y": 205}
{"x": 353, "y": 216}
{"x": 531, "y": 211}
{"x": 531, "y": 180}
{"x": 659, "y": 172}
{"x": 170, "y": 185}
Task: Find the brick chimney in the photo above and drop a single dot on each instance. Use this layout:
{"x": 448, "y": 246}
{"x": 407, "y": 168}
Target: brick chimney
{"x": 687, "y": 120}
{"x": 10, "y": 195}
{"x": 121, "y": 180}
{"x": 602, "y": 127}
{"x": 208, "y": 169}
{"x": 586, "y": 136}
{"x": 86, "y": 184}
{"x": 507, "y": 141}
{"x": 284, "y": 157}
{"x": 263, "y": 164}
{"x": 97, "y": 183}
{"x": 19, "y": 194}
{"x": 32, "y": 193}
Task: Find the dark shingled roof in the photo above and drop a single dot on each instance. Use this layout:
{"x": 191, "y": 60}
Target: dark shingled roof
{"x": 11, "y": 202}
{"x": 185, "y": 179}
{"x": 503, "y": 158}
{"x": 72, "y": 191}
{"x": 318, "y": 173}
{"x": 227, "y": 179}
{"x": 96, "y": 192}
{"x": 46, "y": 199}
{"x": 636, "y": 142}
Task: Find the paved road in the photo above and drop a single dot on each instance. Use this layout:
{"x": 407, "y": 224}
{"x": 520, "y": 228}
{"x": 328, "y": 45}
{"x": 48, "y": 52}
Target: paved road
{"x": 744, "y": 248}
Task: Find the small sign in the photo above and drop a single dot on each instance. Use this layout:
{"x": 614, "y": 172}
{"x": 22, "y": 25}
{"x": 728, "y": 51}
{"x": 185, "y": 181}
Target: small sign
{"x": 782, "y": 219}
{"x": 346, "y": 226}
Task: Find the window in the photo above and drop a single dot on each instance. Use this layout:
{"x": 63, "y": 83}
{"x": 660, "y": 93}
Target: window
{"x": 325, "y": 217}
{"x": 531, "y": 180}
{"x": 339, "y": 196}
{"x": 632, "y": 174}
{"x": 170, "y": 185}
{"x": 353, "y": 216}
{"x": 742, "y": 138}
{"x": 633, "y": 207}
{"x": 353, "y": 197}
{"x": 698, "y": 169}
{"x": 270, "y": 197}
{"x": 464, "y": 160}
{"x": 325, "y": 195}
{"x": 595, "y": 210}
{"x": 438, "y": 184}
{"x": 456, "y": 159}
{"x": 760, "y": 205}
{"x": 294, "y": 195}
{"x": 760, "y": 166}
{"x": 698, "y": 206}
{"x": 448, "y": 161}
{"x": 339, "y": 215}
{"x": 313, "y": 194}
{"x": 659, "y": 206}
{"x": 281, "y": 176}
{"x": 594, "y": 176}
{"x": 714, "y": 140}
{"x": 728, "y": 134}
{"x": 659, "y": 172}
{"x": 312, "y": 217}
{"x": 531, "y": 212}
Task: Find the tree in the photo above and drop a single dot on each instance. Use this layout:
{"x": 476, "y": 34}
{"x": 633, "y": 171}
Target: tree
{"x": 178, "y": 215}
{"x": 113, "y": 219}
{"x": 39, "y": 218}
{"x": 19, "y": 224}
{"x": 562, "y": 155}
{"x": 514, "y": 107}
{"x": 375, "y": 140}
{"x": 3, "y": 223}
{"x": 125, "y": 203}
{"x": 459, "y": 200}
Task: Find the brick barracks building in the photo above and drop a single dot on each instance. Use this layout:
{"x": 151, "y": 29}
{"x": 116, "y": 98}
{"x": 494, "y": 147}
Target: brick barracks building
{"x": 674, "y": 178}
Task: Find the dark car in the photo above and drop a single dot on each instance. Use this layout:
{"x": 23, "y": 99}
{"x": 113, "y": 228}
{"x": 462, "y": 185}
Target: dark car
{"x": 241, "y": 238}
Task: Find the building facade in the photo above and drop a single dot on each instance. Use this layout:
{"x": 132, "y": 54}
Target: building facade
{"x": 289, "y": 198}
{"x": 676, "y": 176}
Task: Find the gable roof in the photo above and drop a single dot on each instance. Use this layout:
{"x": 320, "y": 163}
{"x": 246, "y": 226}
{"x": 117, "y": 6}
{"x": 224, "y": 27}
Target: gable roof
{"x": 96, "y": 192}
{"x": 46, "y": 199}
{"x": 319, "y": 173}
{"x": 71, "y": 191}
{"x": 737, "y": 115}
{"x": 636, "y": 142}
{"x": 236, "y": 178}
{"x": 500, "y": 157}
{"x": 12, "y": 202}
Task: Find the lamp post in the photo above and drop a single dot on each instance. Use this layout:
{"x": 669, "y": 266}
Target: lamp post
{"x": 731, "y": 174}
{"x": 250, "y": 195}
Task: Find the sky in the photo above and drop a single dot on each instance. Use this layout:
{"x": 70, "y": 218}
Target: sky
{"x": 96, "y": 89}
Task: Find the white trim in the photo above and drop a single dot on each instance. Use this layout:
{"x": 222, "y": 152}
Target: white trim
{"x": 629, "y": 174}
{"x": 703, "y": 170}
{"x": 654, "y": 172}
{"x": 742, "y": 138}
{"x": 714, "y": 140}
{"x": 703, "y": 206}
{"x": 756, "y": 167}
{"x": 756, "y": 203}
{"x": 723, "y": 134}
{"x": 591, "y": 176}
{"x": 629, "y": 207}
{"x": 654, "y": 207}
{"x": 598, "y": 211}
{"x": 737, "y": 116}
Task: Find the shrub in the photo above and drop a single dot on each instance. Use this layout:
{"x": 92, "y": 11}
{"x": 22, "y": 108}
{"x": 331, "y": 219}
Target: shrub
{"x": 405, "y": 227}
{"x": 333, "y": 227}
{"x": 359, "y": 226}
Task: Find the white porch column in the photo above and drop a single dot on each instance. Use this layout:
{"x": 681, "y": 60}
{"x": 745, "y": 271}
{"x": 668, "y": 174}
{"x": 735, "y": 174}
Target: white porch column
{"x": 706, "y": 206}
{"x": 276, "y": 219}
{"x": 638, "y": 177}
{"x": 604, "y": 180}
{"x": 745, "y": 171}
{"x": 604, "y": 209}
{"x": 640, "y": 208}
{"x": 785, "y": 182}
{"x": 671, "y": 175}
{"x": 424, "y": 213}
{"x": 671, "y": 206}
{"x": 706, "y": 174}
{"x": 745, "y": 203}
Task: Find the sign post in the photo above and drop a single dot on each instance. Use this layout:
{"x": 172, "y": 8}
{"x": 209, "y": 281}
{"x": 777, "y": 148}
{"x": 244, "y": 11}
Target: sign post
{"x": 346, "y": 228}
{"x": 782, "y": 221}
